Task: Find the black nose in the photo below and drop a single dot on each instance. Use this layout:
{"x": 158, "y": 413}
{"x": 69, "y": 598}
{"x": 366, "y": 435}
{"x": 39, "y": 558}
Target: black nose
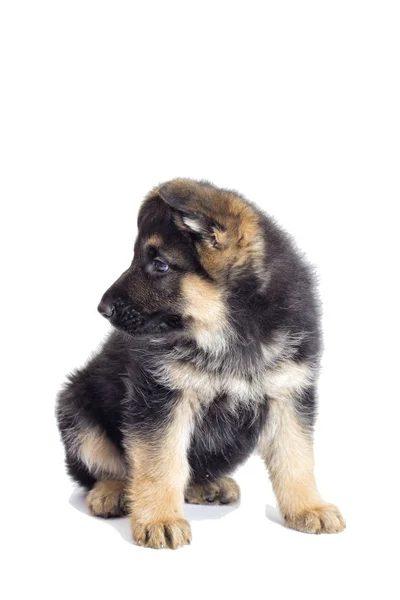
{"x": 106, "y": 308}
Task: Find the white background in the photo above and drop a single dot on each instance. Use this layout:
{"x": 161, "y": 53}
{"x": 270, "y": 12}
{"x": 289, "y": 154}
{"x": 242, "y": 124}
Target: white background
{"x": 296, "y": 105}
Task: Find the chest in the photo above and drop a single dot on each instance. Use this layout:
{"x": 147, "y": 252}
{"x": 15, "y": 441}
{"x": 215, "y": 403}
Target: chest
{"x": 205, "y": 386}
{"x": 241, "y": 388}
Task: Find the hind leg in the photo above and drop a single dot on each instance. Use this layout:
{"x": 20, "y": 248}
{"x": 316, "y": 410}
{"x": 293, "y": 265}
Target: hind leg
{"x": 91, "y": 456}
{"x": 224, "y": 490}
{"x": 93, "y": 447}
{"x": 97, "y": 464}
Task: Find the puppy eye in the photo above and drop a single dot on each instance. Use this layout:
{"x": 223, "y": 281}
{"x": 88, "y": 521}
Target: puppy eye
{"x": 160, "y": 266}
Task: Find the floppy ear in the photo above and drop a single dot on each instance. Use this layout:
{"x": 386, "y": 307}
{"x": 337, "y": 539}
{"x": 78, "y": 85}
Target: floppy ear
{"x": 191, "y": 214}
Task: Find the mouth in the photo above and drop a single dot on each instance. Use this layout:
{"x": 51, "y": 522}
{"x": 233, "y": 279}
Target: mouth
{"x": 127, "y": 319}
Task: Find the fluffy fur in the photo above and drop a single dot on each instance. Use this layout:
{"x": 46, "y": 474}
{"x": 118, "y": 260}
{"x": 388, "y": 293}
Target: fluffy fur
{"x": 214, "y": 354}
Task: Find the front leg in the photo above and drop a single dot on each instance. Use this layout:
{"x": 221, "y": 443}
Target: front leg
{"x": 286, "y": 446}
{"x": 160, "y": 473}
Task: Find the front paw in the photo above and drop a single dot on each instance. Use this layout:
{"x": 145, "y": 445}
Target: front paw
{"x": 319, "y": 519}
{"x": 162, "y": 534}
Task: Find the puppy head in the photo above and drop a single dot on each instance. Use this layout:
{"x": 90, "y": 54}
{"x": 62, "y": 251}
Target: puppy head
{"x": 193, "y": 239}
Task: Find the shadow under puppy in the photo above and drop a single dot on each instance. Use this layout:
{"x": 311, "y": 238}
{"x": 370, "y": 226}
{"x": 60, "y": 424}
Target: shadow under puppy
{"x": 213, "y": 355}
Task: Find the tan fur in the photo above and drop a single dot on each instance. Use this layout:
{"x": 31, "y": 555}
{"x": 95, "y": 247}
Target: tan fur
{"x": 203, "y": 302}
{"x": 154, "y": 240}
{"x": 286, "y": 379}
{"x": 108, "y": 499}
{"x": 204, "y": 306}
{"x": 172, "y": 533}
{"x": 287, "y": 450}
{"x": 160, "y": 472}
{"x": 100, "y": 455}
{"x": 224, "y": 490}
{"x": 325, "y": 518}
{"x": 241, "y": 241}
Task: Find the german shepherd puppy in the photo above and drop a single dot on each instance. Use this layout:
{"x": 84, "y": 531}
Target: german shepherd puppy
{"x": 214, "y": 354}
